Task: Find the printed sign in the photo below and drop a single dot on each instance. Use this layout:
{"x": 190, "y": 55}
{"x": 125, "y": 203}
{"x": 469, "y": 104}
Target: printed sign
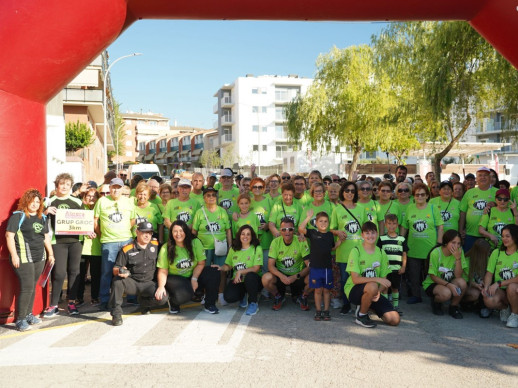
{"x": 70, "y": 221}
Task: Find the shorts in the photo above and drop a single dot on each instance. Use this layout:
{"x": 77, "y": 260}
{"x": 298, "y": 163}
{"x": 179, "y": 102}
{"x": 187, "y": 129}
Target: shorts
{"x": 321, "y": 278}
{"x": 429, "y": 290}
{"x": 380, "y": 307}
{"x": 395, "y": 279}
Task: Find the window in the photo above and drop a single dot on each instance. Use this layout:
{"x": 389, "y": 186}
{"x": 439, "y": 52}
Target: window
{"x": 142, "y": 146}
{"x": 128, "y": 142}
{"x": 286, "y": 93}
{"x": 255, "y": 128}
{"x": 280, "y": 132}
{"x": 255, "y": 109}
{"x": 279, "y": 150}
{"x": 263, "y": 109}
{"x": 265, "y": 129}
{"x": 255, "y": 148}
{"x": 129, "y": 153}
{"x": 255, "y": 91}
{"x": 280, "y": 115}
{"x": 265, "y": 148}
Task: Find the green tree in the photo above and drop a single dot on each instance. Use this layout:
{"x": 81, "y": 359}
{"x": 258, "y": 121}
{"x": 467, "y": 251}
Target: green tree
{"x": 210, "y": 159}
{"x": 77, "y": 136}
{"x": 119, "y": 136}
{"x": 347, "y": 104}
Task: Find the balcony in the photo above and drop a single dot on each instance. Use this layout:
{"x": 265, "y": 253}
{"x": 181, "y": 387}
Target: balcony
{"x": 83, "y": 95}
{"x": 227, "y": 119}
{"x": 227, "y": 101}
{"x": 226, "y": 137}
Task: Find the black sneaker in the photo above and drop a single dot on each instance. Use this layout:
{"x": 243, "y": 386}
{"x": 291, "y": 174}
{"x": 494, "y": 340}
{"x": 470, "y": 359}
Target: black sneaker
{"x": 103, "y": 306}
{"x": 326, "y": 316}
{"x": 365, "y": 321}
{"x": 277, "y": 302}
{"x": 346, "y": 309}
{"x": 398, "y": 310}
{"x": 117, "y": 320}
{"x": 145, "y": 311}
{"x": 318, "y": 316}
{"x": 437, "y": 308}
{"x": 211, "y": 309}
{"x": 173, "y": 309}
{"x": 455, "y": 312}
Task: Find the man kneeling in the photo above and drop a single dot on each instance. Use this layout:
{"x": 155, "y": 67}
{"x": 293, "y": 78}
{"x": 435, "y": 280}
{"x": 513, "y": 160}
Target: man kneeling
{"x": 368, "y": 267}
{"x": 133, "y": 272}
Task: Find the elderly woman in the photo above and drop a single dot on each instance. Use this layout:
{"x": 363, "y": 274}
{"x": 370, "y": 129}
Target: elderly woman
{"x": 319, "y": 204}
{"x": 386, "y": 205}
{"x": 274, "y": 191}
{"x": 244, "y": 259}
{"x": 67, "y": 248}
{"x": 424, "y": 224}
{"x": 365, "y": 201}
{"x": 448, "y": 206}
{"x": 147, "y": 211}
{"x": 27, "y": 239}
{"x": 403, "y": 197}
{"x": 445, "y": 275}
{"x": 504, "y": 213}
{"x": 284, "y": 208}
{"x": 502, "y": 294}
{"x": 333, "y": 192}
{"x": 182, "y": 269}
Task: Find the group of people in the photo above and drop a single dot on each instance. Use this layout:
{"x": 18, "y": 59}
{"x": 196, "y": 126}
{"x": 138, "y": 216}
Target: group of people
{"x": 344, "y": 242}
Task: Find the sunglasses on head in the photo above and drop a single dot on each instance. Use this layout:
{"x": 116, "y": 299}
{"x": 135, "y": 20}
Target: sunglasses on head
{"x": 290, "y": 229}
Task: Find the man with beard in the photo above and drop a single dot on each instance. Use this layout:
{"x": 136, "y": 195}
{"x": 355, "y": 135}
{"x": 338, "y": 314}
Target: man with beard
{"x": 401, "y": 172}
{"x": 154, "y": 185}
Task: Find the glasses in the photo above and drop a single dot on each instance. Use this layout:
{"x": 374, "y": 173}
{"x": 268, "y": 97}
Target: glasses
{"x": 403, "y": 190}
{"x": 336, "y": 180}
{"x": 327, "y": 183}
{"x": 352, "y": 191}
{"x": 284, "y": 178}
{"x": 318, "y": 192}
{"x": 287, "y": 229}
{"x": 365, "y": 189}
{"x": 210, "y": 195}
{"x": 90, "y": 196}
{"x": 104, "y": 192}
{"x": 502, "y": 199}
{"x": 274, "y": 181}
{"x": 126, "y": 194}
{"x": 385, "y": 191}
{"x": 257, "y": 187}
{"x": 420, "y": 195}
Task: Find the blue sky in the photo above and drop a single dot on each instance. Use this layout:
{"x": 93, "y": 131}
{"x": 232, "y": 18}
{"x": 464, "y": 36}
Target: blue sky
{"x": 186, "y": 62}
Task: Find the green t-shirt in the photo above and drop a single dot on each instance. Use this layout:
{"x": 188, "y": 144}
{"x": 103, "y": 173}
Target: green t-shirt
{"x": 422, "y": 233}
{"x": 289, "y": 259}
{"x": 228, "y": 200}
{"x": 115, "y": 218}
{"x": 502, "y": 265}
{"x": 371, "y": 210}
{"x": 495, "y": 221}
{"x": 262, "y": 210}
{"x": 181, "y": 210}
{"x": 243, "y": 259}
{"x": 304, "y": 200}
{"x": 274, "y": 200}
{"x": 342, "y": 220}
{"x": 450, "y": 212}
{"x": 403, "y": 208}
{"x": 251, "y": 219}
{"x": 182, "y": 264}
{"x": 219, "y": 224}
{"x": 324, "y": 207}
{"x": 443, "y": 266}
{"x": 151, "y": 213}
{"x": 373, "y": 265}
{"x": 293, "y": 211}
{"x": 473, "y": 204}
{"x": 391, "y": 207}
{"x": 197, "y": 197}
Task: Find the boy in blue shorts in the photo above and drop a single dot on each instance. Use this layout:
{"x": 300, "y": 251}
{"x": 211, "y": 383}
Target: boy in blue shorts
{"x": 396, "y": 248}
{"x": 322, "y": 243}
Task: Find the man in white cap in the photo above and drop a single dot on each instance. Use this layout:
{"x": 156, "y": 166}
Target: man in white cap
{"x": 472, "y": 207}
{"x": 182, "y": 208}
{"x": 227, "y": 195}
{"x": 114, "y": 216}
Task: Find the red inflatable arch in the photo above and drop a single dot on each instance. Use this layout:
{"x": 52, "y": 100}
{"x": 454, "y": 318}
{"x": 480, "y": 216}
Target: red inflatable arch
{"x": 40, "y": 54}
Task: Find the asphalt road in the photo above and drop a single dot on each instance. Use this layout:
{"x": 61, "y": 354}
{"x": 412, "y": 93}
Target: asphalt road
{"x": 284, "y": 348}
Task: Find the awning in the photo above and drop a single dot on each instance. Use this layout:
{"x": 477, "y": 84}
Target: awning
{"x": 149, "y": 157}
{"x": 160, "y": 155}
{"x": 197, "y": 152}
{"x": 140, "y": 158}
{"x": 171, "y": 154}
{"x": 184, "y": 153}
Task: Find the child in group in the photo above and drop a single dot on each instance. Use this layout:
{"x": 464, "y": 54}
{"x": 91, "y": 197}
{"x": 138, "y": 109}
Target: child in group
{"x": 396, "y": 248}
{"x": 320, "y": 263}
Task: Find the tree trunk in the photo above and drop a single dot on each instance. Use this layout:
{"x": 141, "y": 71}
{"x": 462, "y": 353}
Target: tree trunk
{"x": 354, "y": 164}
{"x": 438, "y": 156}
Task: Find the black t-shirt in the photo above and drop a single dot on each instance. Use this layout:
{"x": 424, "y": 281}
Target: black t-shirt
{"x": 68, "y": 202}
{"x": 29, "y": 238}
{"x": 321, "y": 245}
{"x": 141, "y": 262}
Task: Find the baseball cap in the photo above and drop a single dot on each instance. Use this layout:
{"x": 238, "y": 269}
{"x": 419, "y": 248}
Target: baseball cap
{"x": 446, "y": 183}
{"x": 209, "y": 190}
{"x": 213, "y": 175}
{"x": 92, "y": 184}
{"x": 469, "y": 176}
{"x": 503, "y": 192}
{"x": 145, "y": 226}
{"x": 184, "y": 182}
{"x": 226, "y": 172}
{"x": 116, "y": 182}
{"x": 484, "y": 169}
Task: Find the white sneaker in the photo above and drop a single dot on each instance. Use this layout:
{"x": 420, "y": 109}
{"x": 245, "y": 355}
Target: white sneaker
{"x": 335, "y": 303}
{"x": 512, "y": 321}
{"x": 505, "y": 313}
{"x": 222, "y": 300}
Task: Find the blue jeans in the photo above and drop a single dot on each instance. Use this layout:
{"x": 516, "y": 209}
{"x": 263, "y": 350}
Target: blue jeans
{"x": 213, "y": 259}
{"x": 109, "y": 255}
{"x": 344, "y": 275}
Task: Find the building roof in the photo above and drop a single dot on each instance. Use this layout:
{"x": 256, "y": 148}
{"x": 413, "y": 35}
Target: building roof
{"x": 149, "y": 115}
{"x": 459, "y": 149}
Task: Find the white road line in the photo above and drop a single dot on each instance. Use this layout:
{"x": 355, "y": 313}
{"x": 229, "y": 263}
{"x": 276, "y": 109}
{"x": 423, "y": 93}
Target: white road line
{"x": 198, "y": 342}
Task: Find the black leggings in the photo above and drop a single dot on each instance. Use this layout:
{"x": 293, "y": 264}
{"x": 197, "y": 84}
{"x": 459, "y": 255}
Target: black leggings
{"x": 416, "y": 273}
{"x": 28, "y": 274}
{"x": 180, "y": 290}
{"x": 251, "y": 285}
{"x": 95, "y": 272}
{"x": 68, "y": 259}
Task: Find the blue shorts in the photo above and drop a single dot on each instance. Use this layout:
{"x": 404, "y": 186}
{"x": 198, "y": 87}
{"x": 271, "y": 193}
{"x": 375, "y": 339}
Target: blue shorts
{"x": 321, "y": 278}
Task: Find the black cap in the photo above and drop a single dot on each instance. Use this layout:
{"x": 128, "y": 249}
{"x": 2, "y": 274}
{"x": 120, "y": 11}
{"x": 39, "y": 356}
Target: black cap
{"x": 209, "y": 190}
{"x": 446, "y": 183}
{"x": 469, "y": 176}
{"x": 145, "y": 226}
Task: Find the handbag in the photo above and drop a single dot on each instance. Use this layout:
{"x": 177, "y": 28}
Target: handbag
{"x": 220, "y": 247}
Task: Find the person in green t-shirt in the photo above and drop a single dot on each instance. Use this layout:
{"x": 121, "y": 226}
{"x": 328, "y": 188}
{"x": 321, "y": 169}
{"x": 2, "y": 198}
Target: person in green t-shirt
{"x": 386, "y": 205}
{"x": 286, "y": 267}
{"x": 148, "y": 212}
{"x": 284, "y": 208}
{"x": 472, "y": 207}
{"x": 245, "y": 216}
{"x": 368, "y": 268}
{"x": 317, "y": 205}
{"x": 444, "y": 281}
{"x": 404, "y": 199}
{"x": 182, "y": 270}
{"x": 227, "y": 194}
{"x": 448, "y": 206}
{"x": 425, "y": 229}
{"x": 197, "y": 187}
{"x": 244, "y": 259}
{"x": 261, "y": 207}
{"x": 503, "y": 267}
{"x": 365, "y": 201}
{"x": 182, "y": 208}
{"x": 498, "y": 216}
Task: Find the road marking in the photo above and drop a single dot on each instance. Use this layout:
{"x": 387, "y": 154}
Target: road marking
{"x": 197, "y": 342}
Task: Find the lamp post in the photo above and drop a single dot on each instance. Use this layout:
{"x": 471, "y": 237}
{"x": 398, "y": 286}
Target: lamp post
{"x": 104, "y": 106}
{"x": 117, "y": 147}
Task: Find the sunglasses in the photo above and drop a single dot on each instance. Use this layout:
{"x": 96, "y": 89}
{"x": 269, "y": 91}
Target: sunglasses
{"x": 327, "y": 183}
{"x": 336, "y": 180}
{"x": 287, "y": 229}
{"x": 386, "y": 191}
{"x": 365, "y": 189}
{"x": 104, "y": 192}
{"x": 257, "y": 187}
{"x": 210, "y": 195}
{"x": 503, "y": 199}
{"x": 349, "y": 191}
{"x": 285, "y": 178}
{"x": 274, "y": 181}
{"x": 420, "y": 195}
{"x": 403, "y": 190}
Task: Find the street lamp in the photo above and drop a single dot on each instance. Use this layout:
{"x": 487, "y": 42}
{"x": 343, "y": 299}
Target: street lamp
{"x": 118, "y": 147}
{"x": 104, "y": 106}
